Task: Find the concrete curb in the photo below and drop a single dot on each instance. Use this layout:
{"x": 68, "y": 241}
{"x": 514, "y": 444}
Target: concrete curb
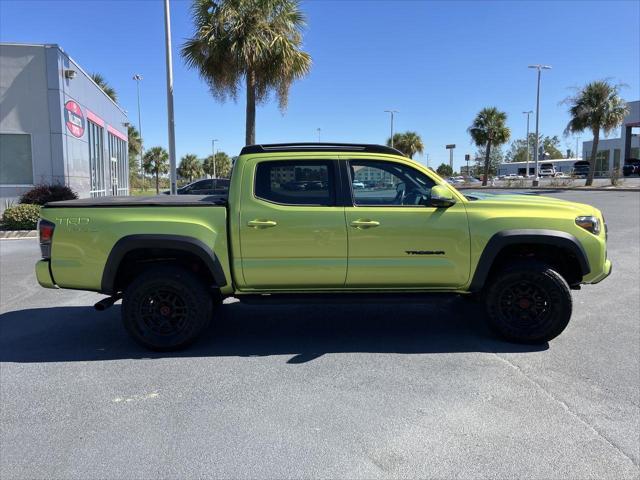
{"x": 16, "y": 234}
{"x": 545, "y": 189}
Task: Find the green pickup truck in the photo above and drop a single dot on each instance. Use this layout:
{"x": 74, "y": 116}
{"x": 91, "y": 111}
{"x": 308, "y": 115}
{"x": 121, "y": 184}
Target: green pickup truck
{"x": 309, "y": 222}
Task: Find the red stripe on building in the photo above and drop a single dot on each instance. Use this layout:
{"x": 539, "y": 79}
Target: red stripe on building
{"x": 94, "y": 118}
{"x": 116, "y": 133}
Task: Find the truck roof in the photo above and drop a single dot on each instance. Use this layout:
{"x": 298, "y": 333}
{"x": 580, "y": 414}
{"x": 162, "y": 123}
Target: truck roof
{"x": 319, "y": 147}
{"x": 156, "y": 200}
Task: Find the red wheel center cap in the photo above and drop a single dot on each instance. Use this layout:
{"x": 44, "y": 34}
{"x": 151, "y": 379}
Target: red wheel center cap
{"x": 165, "y": 311}
{"x": 524, "y": 303}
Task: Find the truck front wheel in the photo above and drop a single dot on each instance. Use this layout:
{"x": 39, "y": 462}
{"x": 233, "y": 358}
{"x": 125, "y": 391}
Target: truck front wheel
{"x": 528, "y": 302}
{"x": 166, "y": 308}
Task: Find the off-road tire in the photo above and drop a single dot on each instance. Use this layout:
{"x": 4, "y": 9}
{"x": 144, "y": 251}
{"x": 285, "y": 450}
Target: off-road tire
{"x": 528, "y": 302}
{"x": 166, "y": 308}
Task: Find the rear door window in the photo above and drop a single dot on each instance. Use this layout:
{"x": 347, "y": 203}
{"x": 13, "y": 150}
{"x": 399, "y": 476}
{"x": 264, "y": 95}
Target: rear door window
{"x": 296, "y": 182}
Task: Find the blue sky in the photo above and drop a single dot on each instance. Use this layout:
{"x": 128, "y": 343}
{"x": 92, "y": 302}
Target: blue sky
{"x": 438, "y": 63}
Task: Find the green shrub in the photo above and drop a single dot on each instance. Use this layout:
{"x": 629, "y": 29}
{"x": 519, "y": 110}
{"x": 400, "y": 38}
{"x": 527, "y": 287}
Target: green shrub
{"x": 41, "y": 194}
{"x": 21, "y": 217}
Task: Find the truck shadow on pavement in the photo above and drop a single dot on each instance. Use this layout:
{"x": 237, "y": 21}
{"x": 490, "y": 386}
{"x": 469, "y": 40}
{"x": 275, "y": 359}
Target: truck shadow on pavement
{"x": 444, "y": 325}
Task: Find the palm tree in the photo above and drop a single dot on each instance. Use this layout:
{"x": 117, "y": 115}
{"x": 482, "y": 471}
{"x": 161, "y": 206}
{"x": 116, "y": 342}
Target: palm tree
{"x": 255, "y": 41}
{"x": 597, "y": 106}
{"x": 190, "y": 167}
{"x": 155, "y": 162}
{"x": 409, "y": 143}
{"x": 222, "y": 165}
{"x": 489, "y": 128}
{"x": 135, "y": 146}
{"x": 106, "y": 88}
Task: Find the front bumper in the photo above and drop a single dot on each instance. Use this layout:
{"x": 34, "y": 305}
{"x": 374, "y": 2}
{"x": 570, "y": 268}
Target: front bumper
{"x": 606, "y": 271}
{"x": 43, "y": 274}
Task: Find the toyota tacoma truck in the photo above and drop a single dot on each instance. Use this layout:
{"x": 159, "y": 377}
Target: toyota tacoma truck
{"x": 294, "y": 227}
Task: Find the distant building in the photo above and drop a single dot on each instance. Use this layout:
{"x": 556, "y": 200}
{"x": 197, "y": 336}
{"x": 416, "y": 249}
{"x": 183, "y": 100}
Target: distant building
{"x": 613, "y": 151}
{"x": 57, "y": 126}
{"x": 564, "y": 165}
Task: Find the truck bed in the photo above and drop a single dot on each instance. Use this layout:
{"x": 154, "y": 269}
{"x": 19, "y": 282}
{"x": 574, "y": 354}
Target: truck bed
{"x": 87, "y": 230}
{"x": 131, "y": 201}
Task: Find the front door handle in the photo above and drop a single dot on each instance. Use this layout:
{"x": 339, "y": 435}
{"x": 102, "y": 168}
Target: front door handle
{"x": 261, "y": 223}
{"x": 361, "y": 224}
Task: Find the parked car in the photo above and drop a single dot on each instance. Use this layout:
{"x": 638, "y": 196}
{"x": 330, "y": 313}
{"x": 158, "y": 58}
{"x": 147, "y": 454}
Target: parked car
{"x": 358, "y": 185}
{"x": 631, "y": 167}
{"x": 581, "y": 169}
{"x": 547, "y": 170}
{"x": 561, "y": 175}
{"x": 209, "y": 186}
{"x": 512, "y": 176}
{"x": 176, "y": 257}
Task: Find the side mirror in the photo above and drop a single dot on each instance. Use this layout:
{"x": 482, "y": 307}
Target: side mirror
{"x": 441, "y": 197}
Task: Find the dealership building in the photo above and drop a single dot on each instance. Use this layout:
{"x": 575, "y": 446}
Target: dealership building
{"x": 612, "y": 152}
{"x": 57, "y": 126}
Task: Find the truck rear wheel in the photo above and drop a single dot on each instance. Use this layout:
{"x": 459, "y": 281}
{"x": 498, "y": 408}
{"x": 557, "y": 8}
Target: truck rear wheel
{"x": 528, "y": 302}
{"x": 166, "y": 308}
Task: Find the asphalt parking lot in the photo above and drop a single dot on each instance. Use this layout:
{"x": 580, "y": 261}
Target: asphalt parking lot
{"x": 331, "y": 391}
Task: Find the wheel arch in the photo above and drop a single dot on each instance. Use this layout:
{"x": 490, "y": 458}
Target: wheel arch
{"x": 508, "y": 239}
{"x": 159, "y": 242}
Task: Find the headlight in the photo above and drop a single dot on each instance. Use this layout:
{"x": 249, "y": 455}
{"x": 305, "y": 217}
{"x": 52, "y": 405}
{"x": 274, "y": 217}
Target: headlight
{"x": 589, "y": 223}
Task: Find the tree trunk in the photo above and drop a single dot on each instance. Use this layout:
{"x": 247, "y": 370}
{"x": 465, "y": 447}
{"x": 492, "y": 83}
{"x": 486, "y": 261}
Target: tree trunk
{"x": 594, "y": 156}
{"x": 157, "y": 183}
{"x": 250, "y": 132}
{"x": 486, "y": 164}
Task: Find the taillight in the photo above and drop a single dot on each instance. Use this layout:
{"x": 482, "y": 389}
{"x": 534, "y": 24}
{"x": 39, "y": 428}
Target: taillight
{"x": 45, "y": 231}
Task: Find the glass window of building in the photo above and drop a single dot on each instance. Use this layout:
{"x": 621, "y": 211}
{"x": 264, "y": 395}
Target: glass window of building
{"x": 16, "y": 163}
{"x": 96, "y": 160}
{"x": 119, "y": 165}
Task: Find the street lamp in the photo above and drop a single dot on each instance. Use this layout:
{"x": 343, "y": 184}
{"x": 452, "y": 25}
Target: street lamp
{"x": 392, "y": 112}
{"x": 535, "y": 152}
{"x": 526, "y": 175}
{"x": 171, "y": 122}
{"x": 137, "y": 77}
{"x": 213, "y": 153}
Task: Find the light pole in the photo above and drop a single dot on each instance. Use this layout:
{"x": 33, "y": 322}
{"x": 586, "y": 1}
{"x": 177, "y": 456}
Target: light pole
{"x": 318, "y": 130}
{"x": 213, "y": 155}
{"x": 535, "y": 152}
{"x": 577, "y": 140}
{"x": 392, "y": 112}
{"x": 137, "y": 77}
{"x": 171, "y": 122}
{"x": 526, "y": 175}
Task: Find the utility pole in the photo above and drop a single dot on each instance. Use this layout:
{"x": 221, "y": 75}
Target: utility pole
{"x": 535, "y": 152}
{"x": 577, "y": 140}
{"x": 526, "y": 175}
{"x": 392, "y": 112}
{"x": 137, "y": 77}
{"x": 318, "y": 130}
{"x": 213, "y": 155}
{"x": 171, "y": 123}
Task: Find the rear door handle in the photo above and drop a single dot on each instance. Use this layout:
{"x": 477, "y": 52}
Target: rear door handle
{"x": 362, "y": 224}
{"x": 261, "y": 223}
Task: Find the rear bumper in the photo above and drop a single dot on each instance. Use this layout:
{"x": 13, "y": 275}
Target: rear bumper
{"x": 43, "y": 274}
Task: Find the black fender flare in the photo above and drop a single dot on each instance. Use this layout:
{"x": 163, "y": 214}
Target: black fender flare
{"x": 148, "y": 241}
{"x": 498, "y": 241}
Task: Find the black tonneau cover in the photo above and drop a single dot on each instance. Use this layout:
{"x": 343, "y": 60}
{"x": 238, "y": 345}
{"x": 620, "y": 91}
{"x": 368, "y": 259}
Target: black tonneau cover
{"x": 142, "y": 201}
